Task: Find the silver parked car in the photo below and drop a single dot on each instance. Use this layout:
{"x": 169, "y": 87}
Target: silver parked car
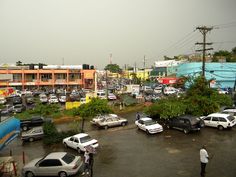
{"x": 102, "y": 117}
{"x": 111, "y": 122}
{"x": 33, "y": 134}
{"x": 60, "y": 164}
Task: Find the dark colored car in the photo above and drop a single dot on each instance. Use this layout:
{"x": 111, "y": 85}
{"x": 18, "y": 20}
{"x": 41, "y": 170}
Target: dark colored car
{"x": 186, "y": 123}
{"x": 17, "y": 100}
{"x": 18, "y": 108}
{"x": 33, "y": 122}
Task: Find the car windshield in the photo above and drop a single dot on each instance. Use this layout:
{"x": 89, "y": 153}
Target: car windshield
{"x": 68, "y": 158}
{"x": 194, "y": 120}
{"x": 85, "y": 139}
{"x": 149, "y": 122}
{"x": 230, "y": 118}
{"x": 18, "y": 106}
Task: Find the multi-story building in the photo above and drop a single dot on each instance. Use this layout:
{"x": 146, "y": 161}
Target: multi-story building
{"x": 165, "y": 68}
{"x": 142, "y": 74}
{"x": 51, "y": 76}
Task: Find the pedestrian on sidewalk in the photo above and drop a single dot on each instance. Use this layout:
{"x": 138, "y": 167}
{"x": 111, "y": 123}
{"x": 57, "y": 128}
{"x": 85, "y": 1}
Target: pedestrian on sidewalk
{"x": 137, "y": 116}
{"x": 86, "y": 162}
{"x": 204, "y": 158}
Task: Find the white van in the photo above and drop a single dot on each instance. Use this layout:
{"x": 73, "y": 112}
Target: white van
{"x": 219, "y": 120}
{"x": 101, "y": 94}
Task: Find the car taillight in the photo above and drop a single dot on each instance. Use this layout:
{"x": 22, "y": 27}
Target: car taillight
{"x": 76, "y": 166}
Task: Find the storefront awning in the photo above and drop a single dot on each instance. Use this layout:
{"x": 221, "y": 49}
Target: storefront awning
{"x": 167, "y": 80}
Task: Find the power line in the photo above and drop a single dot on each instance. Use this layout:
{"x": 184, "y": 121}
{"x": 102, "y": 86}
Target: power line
{"x": 225, "y": 25}
{"x": 224, "y": 42}
{"x": 180, "y": 40}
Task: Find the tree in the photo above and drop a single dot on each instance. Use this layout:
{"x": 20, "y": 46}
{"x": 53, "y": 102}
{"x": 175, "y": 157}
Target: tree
{"x": 234, "y": 51}
{"x": 180, "y": 83}
{"x": 135, "y": 79}
{"x": 203, "y": 100}
{"x": 19, "y": 63}
{"x": 199, "y": 100}
{"x": 114, "y": 68}
{"x": 222, "y": 54}
{"x": 95, "y": 107}
{"x": 167, "y": 108}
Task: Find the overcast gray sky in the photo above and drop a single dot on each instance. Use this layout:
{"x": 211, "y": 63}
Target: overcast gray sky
{"x": 87, "y": 31}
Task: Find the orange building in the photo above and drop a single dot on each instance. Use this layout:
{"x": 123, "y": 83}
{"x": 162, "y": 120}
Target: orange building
{"x": 54, "y": 77}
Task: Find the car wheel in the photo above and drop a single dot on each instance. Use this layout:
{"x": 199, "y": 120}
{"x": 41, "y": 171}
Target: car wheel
{"x": 123, "y": 123}
{"x": 62, "y": 174}
{"x": 202, "y": 124}
{"x": 220, "y": 127}
{"x": 78, "y": 150}
{"x": 31, "y": 139}
{"x": 65, "y": 145}
{"x": 186, "y": 131}
{"x": 25, "y": 128}
{"x": 106, "y": 127}
{"x": 147, "y": 132}
{"x": 29, "y": 174}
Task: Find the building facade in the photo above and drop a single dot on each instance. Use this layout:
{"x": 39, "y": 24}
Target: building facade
{"x": 223, "y": 74}
{"x": 165, "y": 68}
{"x": 52, "y": 77}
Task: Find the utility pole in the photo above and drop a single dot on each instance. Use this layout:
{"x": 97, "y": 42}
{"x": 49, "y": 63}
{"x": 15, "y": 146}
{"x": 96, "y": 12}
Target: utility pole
{"x": 144, "y": 67}
{"x": 204, "y": 30}
{"x": 110, "y": 58}
{"x": 106, "y": 85}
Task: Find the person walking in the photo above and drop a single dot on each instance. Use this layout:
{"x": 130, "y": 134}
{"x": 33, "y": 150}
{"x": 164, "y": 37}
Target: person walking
{"x": 86, "y": 162}
{"x": 204, "y": 158}
{"x": 137, "y": 116}
{"x": 91, "y": 160}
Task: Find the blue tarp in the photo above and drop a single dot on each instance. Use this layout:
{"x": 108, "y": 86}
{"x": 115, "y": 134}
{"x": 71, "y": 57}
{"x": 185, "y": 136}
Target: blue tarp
{"x": 9, "y": 130}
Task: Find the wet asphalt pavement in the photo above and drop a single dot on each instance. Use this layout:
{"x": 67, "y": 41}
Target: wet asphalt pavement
{"x": 129, "y": 152}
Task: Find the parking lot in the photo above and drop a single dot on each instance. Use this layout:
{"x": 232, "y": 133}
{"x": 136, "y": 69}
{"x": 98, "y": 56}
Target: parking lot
{"x": 129, "y": 152}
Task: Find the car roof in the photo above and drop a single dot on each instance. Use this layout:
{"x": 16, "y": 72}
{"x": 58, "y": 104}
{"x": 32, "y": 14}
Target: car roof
{"x": 55, "y": 155}
{"x": 80, "y": 135}
{"x": 229, "y": 110}
{"x": 218, "y": 115}
{"x": 36, "y": 128}
{"x": 145, "y": 118}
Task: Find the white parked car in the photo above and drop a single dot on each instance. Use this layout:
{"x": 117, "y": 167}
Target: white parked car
{"x": 149, "y": 125}
{"x": 3, "y": 100}
{"x": 219, "y": 120}
{"x": 111, "y": 96}
{"x": 80, "y": 141}
{"x": 170, "y": 90}
{"x": 43, "y": 98}
{"x": 62, "y": 98}
{"x": 60, "y": 164}
{"x": 158, "y": 89}
{"x": 53, "y": 99}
